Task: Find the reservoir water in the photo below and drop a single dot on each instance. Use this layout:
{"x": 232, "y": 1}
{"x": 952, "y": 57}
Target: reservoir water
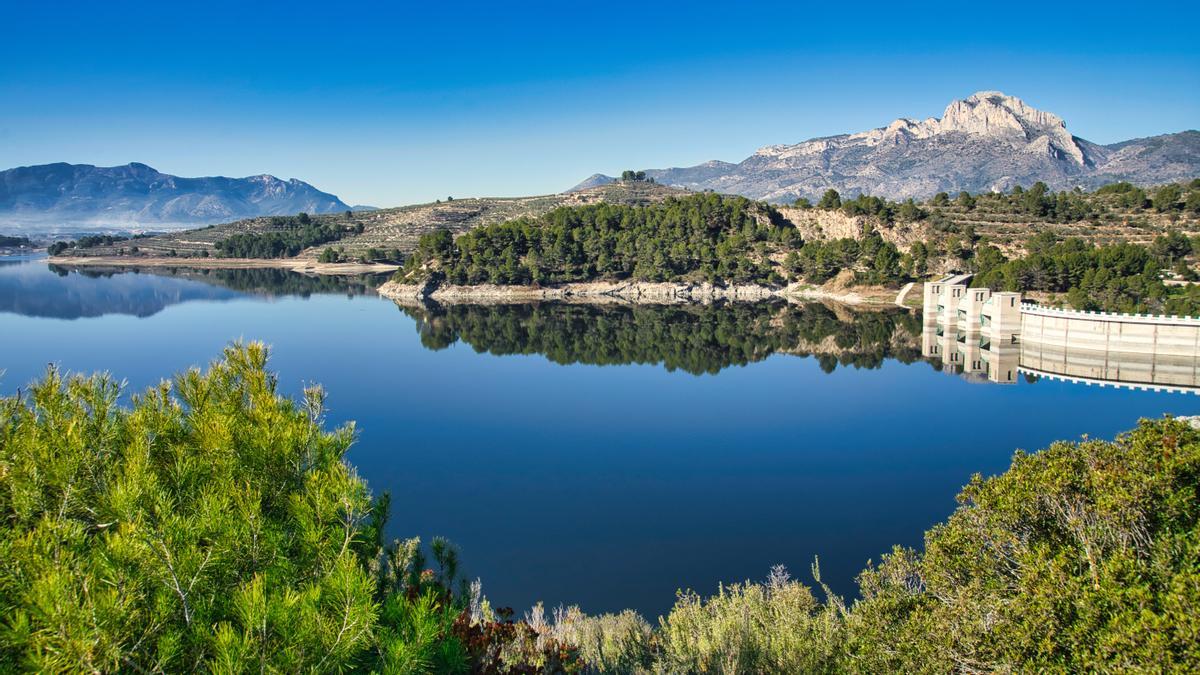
{"x": 600, "y": 456}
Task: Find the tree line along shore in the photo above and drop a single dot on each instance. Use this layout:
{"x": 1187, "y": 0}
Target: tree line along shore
{"x": 1119, "y": 248}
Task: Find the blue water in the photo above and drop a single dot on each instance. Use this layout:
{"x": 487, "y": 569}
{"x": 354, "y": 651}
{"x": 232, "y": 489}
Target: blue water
{"x": 607, "y": 486}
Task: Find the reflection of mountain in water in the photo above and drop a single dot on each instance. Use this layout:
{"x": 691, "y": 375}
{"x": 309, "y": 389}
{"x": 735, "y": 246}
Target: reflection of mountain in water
{"x": 269, "y": 282}
{"x": 695, "y": 339}
{"x": 32, "y": 288}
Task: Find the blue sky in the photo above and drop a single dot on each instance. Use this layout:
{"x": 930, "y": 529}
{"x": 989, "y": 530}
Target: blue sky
{"x": 394, "y": 103}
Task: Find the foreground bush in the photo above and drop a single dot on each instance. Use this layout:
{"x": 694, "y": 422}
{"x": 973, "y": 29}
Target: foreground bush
{"x": 213, "y": 525}
{"x": 1083, "y": 557}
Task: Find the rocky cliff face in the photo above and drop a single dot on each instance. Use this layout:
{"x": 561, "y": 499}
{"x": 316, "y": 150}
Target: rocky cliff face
{"x": 988, "y": 141}
{"x": 135, "y": 194}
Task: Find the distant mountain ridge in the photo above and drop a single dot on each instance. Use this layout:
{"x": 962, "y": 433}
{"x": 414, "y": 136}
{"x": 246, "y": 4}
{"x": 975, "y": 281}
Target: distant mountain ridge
{"x": 989, "y": 141}
{"x": 137, "y": 195}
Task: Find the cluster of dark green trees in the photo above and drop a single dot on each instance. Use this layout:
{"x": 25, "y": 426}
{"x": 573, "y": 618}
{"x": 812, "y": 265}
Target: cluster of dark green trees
{"x": 694, "y": 339}
{"x": 1122, "y": 277}
{"x": 629, "y": 175}
{"x": 876, "y": 261}
{"x": 372, "y": 255}
{"x": 288, "y": 236}
{"x": 706, "y": 237}
{"x": 214, "y": 525}
{"x": 1172, "y": 197}
{"x": 6, "y": 240}
{"x": 1065, "y": 207}
{"x": 90, "y": 241}
{"x": 866, "y": 205}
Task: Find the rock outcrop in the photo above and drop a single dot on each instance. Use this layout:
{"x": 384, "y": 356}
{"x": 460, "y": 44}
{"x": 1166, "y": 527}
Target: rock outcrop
{"x": 625, "y": 292}
{"x": 631, "y": 292}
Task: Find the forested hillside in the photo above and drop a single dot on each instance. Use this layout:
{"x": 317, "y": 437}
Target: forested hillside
{"x": 701, "y": 237}
{"x": 730, "y": 240}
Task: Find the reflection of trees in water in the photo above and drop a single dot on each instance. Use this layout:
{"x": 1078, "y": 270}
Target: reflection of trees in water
{"x": 695, "y": 339}
{"x": 269, "y": 281}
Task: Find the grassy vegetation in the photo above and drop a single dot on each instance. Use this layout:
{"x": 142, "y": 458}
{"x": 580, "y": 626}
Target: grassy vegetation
{"x": 214, "y": 525}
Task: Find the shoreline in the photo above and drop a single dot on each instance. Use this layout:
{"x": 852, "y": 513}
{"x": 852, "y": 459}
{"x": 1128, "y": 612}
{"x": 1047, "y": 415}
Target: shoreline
{"x": 591, "y": 292}
{"x": 302, "y": 265}
{"x": 624, "y": 292}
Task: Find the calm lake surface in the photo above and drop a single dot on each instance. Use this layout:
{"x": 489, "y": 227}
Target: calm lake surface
{"x": 597, "y": 456}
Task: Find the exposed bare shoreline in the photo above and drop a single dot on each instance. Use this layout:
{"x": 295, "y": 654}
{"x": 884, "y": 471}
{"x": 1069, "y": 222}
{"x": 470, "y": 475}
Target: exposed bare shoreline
{"x": 598, "y": 292}
{"x": 306, "y": 266}
{"x": 623, "y": 292}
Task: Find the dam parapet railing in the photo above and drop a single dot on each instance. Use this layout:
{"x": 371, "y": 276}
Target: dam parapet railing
{"x": 1158, "y": 319}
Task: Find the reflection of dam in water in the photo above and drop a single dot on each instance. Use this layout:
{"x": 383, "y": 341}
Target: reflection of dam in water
{"x": 995, "y": 337}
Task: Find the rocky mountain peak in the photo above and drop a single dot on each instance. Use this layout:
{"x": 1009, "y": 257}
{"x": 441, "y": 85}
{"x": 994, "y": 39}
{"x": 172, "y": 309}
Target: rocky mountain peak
{"x": 993, "y": 112}
{"x": 986, "y": 141}
{"x": 993, "y": 115}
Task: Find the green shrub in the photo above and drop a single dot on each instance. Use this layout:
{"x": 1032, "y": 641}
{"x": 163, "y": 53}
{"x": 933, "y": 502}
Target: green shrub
{"x": 212, "y": 525}
{"x": 1084, "y": 557}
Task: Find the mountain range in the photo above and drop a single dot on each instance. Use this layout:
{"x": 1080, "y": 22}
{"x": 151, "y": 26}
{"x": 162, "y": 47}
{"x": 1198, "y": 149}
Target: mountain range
{"x": 987, "y": 142}
{"x": 136, "y": 195}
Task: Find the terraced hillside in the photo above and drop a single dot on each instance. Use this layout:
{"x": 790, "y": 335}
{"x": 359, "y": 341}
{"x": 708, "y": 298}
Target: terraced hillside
{"x": 384, "y": 229}
{"x": 1010, "y": 231}
{"x": 1008, "y": 221}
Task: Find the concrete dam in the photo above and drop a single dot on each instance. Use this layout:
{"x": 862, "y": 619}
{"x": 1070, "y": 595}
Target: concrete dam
{"x": 996, "y": 336}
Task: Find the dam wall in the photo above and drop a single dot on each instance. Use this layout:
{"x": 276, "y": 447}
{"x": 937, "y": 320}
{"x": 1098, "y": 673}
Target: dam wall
{"x": 994, "y": 336}
{"x": 1110, "y": 332}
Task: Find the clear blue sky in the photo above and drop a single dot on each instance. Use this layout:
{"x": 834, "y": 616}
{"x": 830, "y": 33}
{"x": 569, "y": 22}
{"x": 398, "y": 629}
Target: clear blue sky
{"x": 390, "y": 103}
